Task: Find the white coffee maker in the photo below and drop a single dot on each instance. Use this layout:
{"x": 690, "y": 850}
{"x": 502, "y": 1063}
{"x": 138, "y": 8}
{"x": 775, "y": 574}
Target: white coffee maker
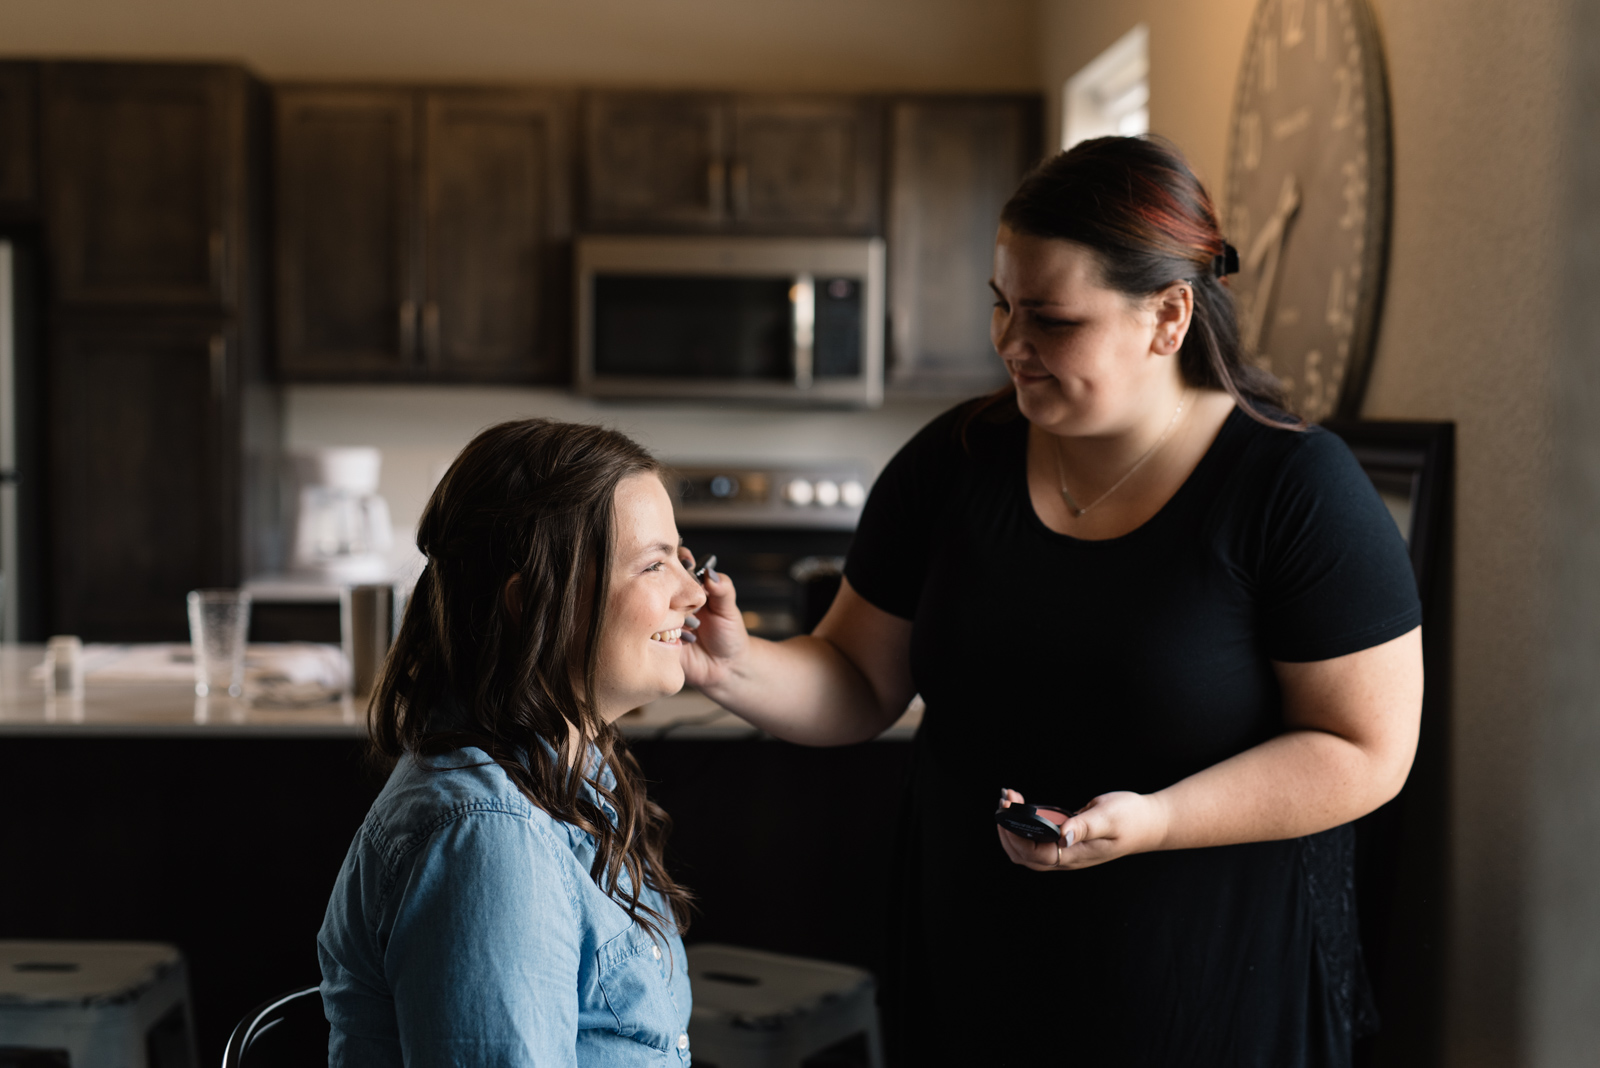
{"x": 341, "y": 526}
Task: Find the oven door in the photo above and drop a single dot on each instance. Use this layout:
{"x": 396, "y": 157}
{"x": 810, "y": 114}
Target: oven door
{"x": 774, "y": 319}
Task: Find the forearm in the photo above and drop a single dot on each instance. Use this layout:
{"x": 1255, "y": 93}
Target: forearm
{"x": 803, "y": 690}
{"x": 1301, "y": 782}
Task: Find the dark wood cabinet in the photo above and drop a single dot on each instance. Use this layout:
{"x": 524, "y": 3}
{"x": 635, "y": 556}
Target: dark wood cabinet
{"x": 145, "y": 192}
{"x": 806, "y": 164}
{"x": 775, "y": 163}
{"x": 19, "y": 140}
{"x": 348, "y": 285}
{"x": 421, "y": 234}
{"x": 144, "y": 474}
{"x": 496, "y": 222}
{"x": 955, "y": 162}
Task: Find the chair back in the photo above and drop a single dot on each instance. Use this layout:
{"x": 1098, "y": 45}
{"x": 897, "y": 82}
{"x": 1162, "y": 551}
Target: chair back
{"x": 288, "y": 1030}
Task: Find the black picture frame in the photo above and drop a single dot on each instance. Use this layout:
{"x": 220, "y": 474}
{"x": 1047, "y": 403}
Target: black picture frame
{"x": 1402, "y": 850}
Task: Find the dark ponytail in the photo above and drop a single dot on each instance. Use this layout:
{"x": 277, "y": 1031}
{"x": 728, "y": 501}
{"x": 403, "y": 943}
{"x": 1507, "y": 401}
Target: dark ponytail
{"x": 1135, "y": 203}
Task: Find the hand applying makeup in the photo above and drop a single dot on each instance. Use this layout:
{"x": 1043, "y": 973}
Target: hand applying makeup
{"x": 715, "y": 636}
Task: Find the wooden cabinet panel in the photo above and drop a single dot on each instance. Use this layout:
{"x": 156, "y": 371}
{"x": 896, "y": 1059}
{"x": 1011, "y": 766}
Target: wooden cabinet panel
{"x": 805, "y": 164}
{"x": 495, "y": 188}
{"x": 655, "y": 160}
{"x": 348, "y": 285}
{"x": 19, "y": 140}
{"x": 145, "y": 167}
{"x": 143, "y": 466}
{"x": 954, "y": 163}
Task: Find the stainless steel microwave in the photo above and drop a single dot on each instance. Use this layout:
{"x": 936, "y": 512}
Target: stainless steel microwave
{"x": 784, "y": 319}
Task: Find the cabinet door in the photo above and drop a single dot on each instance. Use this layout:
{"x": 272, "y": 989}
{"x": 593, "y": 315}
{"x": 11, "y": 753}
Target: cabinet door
{"x": 146, "y": 172}
{"x": 806, "y": 164}
{"x": 18, "y": 137}
{"x": 348, "y": 281}
{"x": 655, "y": 161}
{"x": 954, "y": 163}
{"x": 143, "y": 477}
{"x": 495, "y": 191}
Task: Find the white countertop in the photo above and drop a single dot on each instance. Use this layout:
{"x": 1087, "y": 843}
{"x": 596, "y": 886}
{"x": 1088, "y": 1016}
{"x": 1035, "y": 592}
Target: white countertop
{"x": 165, "y": 708}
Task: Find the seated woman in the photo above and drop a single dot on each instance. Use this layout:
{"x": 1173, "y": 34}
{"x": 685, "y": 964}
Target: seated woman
{"x": 505, "y": 902}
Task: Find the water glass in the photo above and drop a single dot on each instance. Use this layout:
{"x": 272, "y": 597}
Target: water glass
{"x": 219, "y": 622}
{"x": 63, "y": 667}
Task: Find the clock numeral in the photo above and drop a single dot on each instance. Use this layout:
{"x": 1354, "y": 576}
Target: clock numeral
{"x": 1345, "y": 79}
{"x": 1320, "y": 32}
{"x": 1315, "y": 406}
{"x": 1336, "y": 310}
{"x": 1291, "y": 123}
{"x": 1294, "y": 21}
{"x": 1355, "y": 196}
{"x": 1269, "y": 64}
{"x": 1250, "y": 140}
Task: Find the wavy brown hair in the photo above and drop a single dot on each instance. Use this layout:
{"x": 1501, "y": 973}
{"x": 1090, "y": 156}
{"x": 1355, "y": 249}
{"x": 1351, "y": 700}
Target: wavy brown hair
{"x": 1134, "y": 202}
{"x": 531, "y": 499}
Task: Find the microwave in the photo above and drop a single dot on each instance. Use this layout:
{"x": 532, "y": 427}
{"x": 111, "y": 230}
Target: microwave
{"x": 770, "y": 319}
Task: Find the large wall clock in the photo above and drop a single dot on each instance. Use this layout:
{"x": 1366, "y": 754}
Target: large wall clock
{"x": 1308, "y": 197}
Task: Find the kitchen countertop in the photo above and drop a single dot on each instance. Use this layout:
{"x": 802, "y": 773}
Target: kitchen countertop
{"x": 157, "y": 709}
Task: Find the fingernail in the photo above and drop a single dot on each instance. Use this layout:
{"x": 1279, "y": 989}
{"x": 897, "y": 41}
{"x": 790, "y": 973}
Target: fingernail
{"x": 687, "y": 637}
{"x": 1069, "y": 838}
{"x": 691, "y": 623}
{"x": 712, "y": 572}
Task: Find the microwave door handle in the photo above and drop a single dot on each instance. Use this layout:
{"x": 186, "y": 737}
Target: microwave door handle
{"x": 803, "y": 314}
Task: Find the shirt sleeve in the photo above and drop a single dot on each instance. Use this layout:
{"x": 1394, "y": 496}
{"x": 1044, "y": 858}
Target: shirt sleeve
{"x": 1336, "y": 573}
{"x": 888, "y": 559}
{"x": 483, "y": 953}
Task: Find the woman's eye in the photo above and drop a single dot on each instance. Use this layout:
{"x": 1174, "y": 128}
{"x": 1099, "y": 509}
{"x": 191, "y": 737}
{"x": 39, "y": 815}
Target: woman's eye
{"x": 657, "y": 566}
{"x": 1047, "y": 321}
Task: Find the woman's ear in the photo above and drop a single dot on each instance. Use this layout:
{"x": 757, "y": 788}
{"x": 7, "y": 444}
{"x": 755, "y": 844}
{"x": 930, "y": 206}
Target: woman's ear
{"x": 511, "y": 596}
{"x": 1174, "y": 307}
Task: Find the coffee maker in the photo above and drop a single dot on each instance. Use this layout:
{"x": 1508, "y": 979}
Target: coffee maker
{"x": 341, "y": 526}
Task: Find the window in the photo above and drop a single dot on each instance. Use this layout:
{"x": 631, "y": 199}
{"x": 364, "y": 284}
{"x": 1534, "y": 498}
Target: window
{"x": 1112, "y": 94}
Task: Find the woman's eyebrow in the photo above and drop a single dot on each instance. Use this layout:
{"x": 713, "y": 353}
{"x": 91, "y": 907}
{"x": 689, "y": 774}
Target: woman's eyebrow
{"x": 1026, "y": 302}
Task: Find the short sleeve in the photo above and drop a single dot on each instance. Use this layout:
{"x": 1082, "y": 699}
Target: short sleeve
{"x": 1336, "y": 575}
{"x": 483, "y": 955}
{"x": 888, "y": 560}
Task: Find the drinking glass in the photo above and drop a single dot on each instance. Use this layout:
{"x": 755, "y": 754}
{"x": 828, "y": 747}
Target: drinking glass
{"x": 219, "y": 621}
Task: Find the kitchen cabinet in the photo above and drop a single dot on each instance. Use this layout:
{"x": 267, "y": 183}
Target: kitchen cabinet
{"x": 760, "y": 163}
{"x": 421, "y": 234}
{"x": 18, "y": 138}
{"x": 145, "y": 495}
{"x": 954, "y": 163}
{"x": 145, "y": 166}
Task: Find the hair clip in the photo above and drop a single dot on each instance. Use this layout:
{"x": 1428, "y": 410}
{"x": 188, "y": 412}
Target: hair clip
{"x": 1225, "y": 262}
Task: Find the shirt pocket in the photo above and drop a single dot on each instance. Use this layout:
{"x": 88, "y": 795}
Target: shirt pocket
{"x": 634, "y": 982}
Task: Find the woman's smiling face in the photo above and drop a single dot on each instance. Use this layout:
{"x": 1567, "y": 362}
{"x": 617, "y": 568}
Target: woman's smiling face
{"x": 651, "y": 594}
{"x": 1082, "y": 356}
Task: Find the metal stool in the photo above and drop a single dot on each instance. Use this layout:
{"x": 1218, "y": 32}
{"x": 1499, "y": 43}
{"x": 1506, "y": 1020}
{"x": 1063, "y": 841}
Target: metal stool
{"x": 765, "y": 1010}
{"x": 95, "y": 1005}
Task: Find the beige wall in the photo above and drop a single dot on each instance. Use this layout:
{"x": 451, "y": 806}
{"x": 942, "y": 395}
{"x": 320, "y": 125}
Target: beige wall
{"x": 1469, "y": 329}
{"x": 749, "y": 43}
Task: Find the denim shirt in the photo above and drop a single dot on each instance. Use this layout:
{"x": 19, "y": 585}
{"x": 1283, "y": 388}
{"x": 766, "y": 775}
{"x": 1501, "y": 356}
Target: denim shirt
{"x": 464, "y": 929}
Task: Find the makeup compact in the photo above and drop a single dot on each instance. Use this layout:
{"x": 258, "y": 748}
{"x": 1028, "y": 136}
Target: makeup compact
{"x": 1027, "y": 821}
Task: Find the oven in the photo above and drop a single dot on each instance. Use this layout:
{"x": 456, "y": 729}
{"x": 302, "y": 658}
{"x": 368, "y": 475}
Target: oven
{"x": 781, "y": 533}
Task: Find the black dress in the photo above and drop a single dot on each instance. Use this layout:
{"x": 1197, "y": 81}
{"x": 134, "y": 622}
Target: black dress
{"x": 1066, "y": 668}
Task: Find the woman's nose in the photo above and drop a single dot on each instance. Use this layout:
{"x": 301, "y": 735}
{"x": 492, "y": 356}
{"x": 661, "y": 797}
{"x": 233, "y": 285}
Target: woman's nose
{"x": 1004, "y": 336}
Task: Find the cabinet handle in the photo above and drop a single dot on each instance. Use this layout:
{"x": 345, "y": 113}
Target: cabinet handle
{"x": 739, "y": 181}
{"x": 716, "y": 187}
{"x": 430, "y": 331}
{"x": 803, "y": 306}
{"x": 408, "y": 329}
{"x": 219, "y": 367}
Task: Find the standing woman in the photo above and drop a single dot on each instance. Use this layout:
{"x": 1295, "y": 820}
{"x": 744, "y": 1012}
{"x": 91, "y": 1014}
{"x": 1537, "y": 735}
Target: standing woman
{"x": 1132, "y": 586}
{"x": 504, "y": 904}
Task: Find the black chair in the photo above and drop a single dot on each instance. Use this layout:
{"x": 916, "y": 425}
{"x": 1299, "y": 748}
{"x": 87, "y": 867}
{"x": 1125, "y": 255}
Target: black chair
{"x": 289, "y": 1031}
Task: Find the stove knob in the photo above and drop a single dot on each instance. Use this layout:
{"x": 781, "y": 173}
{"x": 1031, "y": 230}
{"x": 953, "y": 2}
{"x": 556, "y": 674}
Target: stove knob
{"x": 723, "y": 486}
{"x": 798, "y": 492}
{"x": 827, "y": 493}
{"x": 853, "y": 494}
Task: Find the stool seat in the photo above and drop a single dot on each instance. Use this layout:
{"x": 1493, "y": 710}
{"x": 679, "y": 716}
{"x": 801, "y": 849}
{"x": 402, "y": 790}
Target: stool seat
{"x": 754, "y": 1009}
{"x": 92, "y": 1004}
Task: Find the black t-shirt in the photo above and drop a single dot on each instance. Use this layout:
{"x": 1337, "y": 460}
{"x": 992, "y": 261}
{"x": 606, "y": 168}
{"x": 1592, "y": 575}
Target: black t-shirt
{"x": 1066, "y": 668}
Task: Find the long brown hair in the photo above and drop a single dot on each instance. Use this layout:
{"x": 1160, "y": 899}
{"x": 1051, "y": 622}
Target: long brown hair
{"x": 1135, "y": 203}
{"x": 532, "y": 499}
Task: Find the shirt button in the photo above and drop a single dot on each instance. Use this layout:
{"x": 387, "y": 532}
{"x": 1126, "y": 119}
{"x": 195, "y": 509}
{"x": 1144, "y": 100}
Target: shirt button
{"x": 656, "y": 952}
{"x": 683, "y": 1041}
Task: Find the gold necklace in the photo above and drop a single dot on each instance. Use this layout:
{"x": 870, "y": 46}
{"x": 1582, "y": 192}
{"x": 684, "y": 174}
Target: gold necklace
{"x": 1077, "y": 509}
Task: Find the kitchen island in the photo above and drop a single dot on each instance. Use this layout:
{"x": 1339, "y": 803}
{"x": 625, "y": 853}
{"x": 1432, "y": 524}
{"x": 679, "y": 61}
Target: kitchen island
{"x": 144, "y": 812}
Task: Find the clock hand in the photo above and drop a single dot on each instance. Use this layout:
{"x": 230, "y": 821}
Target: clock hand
{"x": 1265, "y": 252}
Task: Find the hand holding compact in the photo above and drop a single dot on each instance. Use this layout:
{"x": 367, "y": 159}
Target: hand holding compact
{"x": 1110, "y": 826}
